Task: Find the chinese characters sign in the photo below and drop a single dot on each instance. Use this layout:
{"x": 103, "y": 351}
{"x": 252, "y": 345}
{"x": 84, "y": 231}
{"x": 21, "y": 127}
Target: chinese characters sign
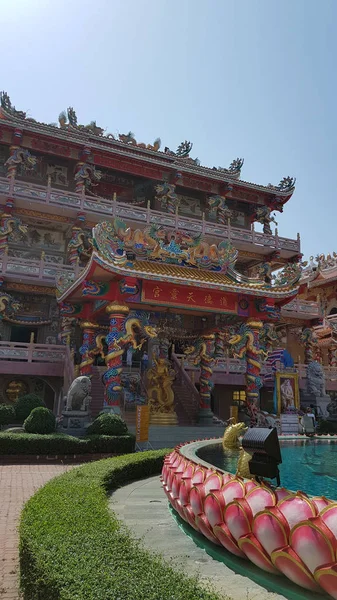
{"x": 168, "y": 294}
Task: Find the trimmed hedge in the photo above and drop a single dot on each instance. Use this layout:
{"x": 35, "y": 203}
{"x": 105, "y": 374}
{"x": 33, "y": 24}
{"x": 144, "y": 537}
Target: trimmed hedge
{"x": 108, "y": 424}
{"x": 59, "y": 443}
{"x": 73, "y": 548}
{"x": 41, "y": 420}
{"x": 25, "y": 404}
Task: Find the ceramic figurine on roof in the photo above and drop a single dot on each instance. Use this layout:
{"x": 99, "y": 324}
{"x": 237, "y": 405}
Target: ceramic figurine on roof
{"x": 236, "y": 165}
{"x": 69, "y": 119}
{"x": 289, "y": 275}
{"x": 129, "y": 138}
{"x": 6, "y": 104}
{"x": 184, "y": 149}
{"x": 287, "y": 183}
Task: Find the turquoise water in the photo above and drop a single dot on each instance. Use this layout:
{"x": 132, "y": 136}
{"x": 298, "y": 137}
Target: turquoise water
{"x": 309, "y": 465}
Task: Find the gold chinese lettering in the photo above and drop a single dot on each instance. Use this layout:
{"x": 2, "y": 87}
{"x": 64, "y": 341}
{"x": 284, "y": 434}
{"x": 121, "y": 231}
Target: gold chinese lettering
{"x": 190, "y": 297}
{"x": 174, "y": 294}
{"x": 208, "y": 299}
{"x": 157, "y": 291}
{"x": 223, "y": 301}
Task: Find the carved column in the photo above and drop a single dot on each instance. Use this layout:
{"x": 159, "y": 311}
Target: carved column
{"x": 205, "y": 414}
{"x": 112, "y": 377}
{"x": 164, "y": 345}
{"x": 253, "y": 367}
{"x": 80, "y": 174}
{"x": 88, "y": 344}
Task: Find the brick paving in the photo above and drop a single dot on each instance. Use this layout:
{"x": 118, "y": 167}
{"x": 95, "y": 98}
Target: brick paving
{"x": 17, "y": 484}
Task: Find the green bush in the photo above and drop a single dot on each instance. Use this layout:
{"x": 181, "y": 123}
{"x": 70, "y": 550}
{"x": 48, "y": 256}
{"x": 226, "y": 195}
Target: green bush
{"x": 59, "y": 443}
{"x": 41, "y": 420}
{"x": 73, "y": 548}
{"x": 7, "y": 414}
{"x": 107, "y": 424}
{"x": 25, "y": 405}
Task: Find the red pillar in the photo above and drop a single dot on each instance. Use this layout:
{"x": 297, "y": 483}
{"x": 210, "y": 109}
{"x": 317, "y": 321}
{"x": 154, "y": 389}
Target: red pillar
{"x": 88, "y": 344}
{"x": 112, "y": 377}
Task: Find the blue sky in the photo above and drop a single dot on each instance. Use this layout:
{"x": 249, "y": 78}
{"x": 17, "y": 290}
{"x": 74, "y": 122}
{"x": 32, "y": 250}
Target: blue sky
{"x": 248, "y": 78}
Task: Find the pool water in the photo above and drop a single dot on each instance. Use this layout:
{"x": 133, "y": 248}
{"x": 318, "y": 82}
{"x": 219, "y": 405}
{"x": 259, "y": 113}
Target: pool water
{"x": 309, "y": 465}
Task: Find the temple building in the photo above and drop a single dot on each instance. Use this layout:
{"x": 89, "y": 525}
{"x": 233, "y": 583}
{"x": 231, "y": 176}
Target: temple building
{"x": 108, "y": 244}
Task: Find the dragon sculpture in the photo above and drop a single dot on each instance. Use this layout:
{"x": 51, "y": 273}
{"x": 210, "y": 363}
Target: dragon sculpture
{"x": 217, "y": 204}
{"x": 165, "y": 193}
{"x": 159, "y": 387}
{"x": 289, "y": 275}
{"x": 203, "y": 354}
{"x": 232, "y": 434}
{"x": 155, "y": 242}
{"x": 123, "y": 333}
{"x": 129, "y": 138}
{"x": 77, "y": 245}
{"x": 19, "y": 156}
{"x": 10, "y": 226}
{"x": 5, "y": 103}
{"x": 287, "y": 184}
{"x": 263, "y": 215}
{"x": 8, "y": 305}
{"x": 309, "y": 341}
{"x": 268, "y": 337}
{"x": 86, "y": 177}
{"x": 68, "y": 120}
{"x": 246, "y": 344}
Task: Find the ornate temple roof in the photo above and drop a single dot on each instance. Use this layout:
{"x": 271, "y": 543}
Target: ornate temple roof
{"x": 320, "y": 271}
{"x": 120, "y": 252}
{"x": 126, "y": 145}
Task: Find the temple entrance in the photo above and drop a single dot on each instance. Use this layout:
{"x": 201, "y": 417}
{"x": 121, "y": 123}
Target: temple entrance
{"x": 22, "y": 333}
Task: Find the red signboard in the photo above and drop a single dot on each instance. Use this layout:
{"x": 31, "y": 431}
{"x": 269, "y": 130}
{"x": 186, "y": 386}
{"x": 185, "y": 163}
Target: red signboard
{"x": 168, "y": 294}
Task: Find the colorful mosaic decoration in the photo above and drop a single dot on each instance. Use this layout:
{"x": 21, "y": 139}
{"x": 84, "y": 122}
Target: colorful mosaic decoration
{"x": 156, "y": 243}
{"x": 204, "y": 353}
{"x": 246, "y": 345}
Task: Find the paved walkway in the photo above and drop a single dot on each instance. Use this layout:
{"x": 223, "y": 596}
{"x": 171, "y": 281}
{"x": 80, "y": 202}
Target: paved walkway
{"x": 17, "y": 484}
{"x": 143, "y": 507}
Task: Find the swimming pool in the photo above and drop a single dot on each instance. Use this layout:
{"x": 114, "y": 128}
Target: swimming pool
{"x": 309, "y": 465}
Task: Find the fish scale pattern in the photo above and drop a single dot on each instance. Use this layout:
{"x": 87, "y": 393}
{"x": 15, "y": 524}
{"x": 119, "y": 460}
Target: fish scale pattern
{"x": 281, "y": 532}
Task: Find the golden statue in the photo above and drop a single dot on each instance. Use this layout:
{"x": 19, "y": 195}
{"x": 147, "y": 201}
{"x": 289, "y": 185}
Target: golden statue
{"x": 230, "y": 440}
{"x": 232, "y": 433}
{"x": 160, "y": 394}
{"x": 243, "y": 465}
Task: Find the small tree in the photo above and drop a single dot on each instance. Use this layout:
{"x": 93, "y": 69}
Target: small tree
{"x": 41, "y": 420}
{"x": 25, "y": 405}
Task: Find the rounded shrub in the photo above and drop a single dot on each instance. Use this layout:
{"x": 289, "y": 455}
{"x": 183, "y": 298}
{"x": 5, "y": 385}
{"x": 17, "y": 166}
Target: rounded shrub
{"x": 25, "y": 405}
{"x": 107, "y": 424}
{"x": 41, "y": 420}
{"x": 7, "y": 414}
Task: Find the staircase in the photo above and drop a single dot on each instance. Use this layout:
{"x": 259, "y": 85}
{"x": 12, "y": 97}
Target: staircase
{"x": 186, "y": 395}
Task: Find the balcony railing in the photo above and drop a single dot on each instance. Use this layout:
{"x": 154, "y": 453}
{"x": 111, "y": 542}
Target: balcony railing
{"x": 114, "y": 208}
{"x": 27, "y": 269}
{"x": 302, "y": 308}
{"x": 32, "y": 353}
{"x": 235, "y": 366}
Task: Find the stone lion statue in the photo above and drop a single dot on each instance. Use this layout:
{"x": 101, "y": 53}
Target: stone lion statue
{"x": 315, "y": 379}
{"x": 78, "y": 397}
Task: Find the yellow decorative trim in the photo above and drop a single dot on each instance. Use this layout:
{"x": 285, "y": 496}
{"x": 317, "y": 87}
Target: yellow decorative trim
{"x": 255, "y": 323}
{"x": 89, "y": 325}
{"x": 117, "y": 308}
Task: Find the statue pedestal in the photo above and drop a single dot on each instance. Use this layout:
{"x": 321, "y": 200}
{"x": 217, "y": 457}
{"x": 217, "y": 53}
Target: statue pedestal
{"x": 319, "y": 401}
{"x": 205, "y": 416}
{"x": 163, "y": 419}
{"x": 75, "y": 422}
{"x": 289, "y": 424}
